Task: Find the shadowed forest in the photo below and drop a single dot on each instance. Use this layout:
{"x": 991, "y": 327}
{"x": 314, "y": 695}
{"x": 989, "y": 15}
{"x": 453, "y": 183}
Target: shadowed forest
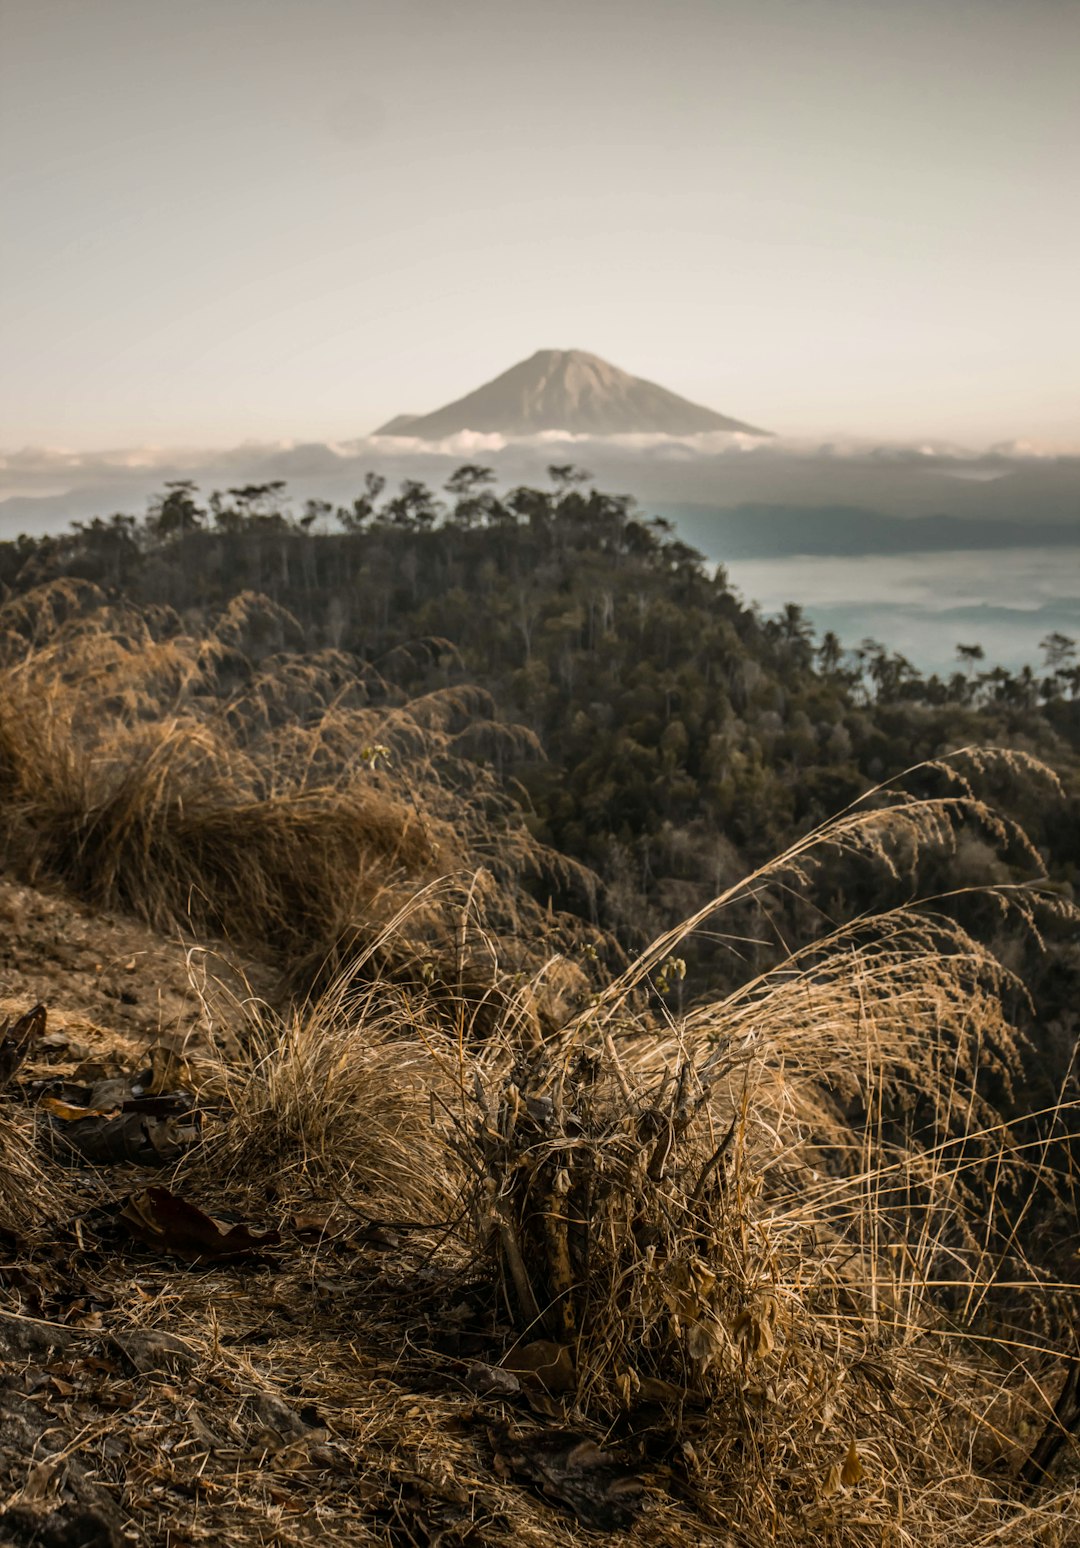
{"x": 622, "y": 1075}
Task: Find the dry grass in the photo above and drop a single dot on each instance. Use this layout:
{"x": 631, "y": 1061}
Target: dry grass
{"x": 330, "y": 1099}
{"x": 791, "y": 1218}
{"x": 777, "y": 1241}
{"x": 262, "y": 797}
{"x": 774, "y": 1252}
{"x": 30, "y": 1191}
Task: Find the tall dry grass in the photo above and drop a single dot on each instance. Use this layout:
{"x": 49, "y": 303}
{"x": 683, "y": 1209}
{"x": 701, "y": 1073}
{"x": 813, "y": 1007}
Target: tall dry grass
{"x": 775, "y": 1246}
{"x": 793, "y": 1219}
{"x": 289, "y": 802}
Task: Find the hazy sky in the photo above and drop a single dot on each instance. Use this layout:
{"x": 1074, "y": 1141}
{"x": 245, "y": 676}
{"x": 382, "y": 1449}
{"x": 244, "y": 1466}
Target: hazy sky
{"x": 293, "y": 218}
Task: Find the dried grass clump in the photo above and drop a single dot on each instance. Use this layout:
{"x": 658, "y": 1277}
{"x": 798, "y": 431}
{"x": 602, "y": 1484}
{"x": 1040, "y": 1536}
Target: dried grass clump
{"x": 336, "y": 1094}
{"x": 330, "y": 1105}
{"x": 789, "y": 1222}
{"x": 264, "y": 797}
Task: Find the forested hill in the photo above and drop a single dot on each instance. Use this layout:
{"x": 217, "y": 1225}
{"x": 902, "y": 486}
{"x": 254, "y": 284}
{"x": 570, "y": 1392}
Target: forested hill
{"x": 685, "y": 735}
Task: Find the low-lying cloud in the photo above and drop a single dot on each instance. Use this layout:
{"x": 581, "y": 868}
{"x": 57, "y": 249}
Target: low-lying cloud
{"x": 43, "y": 488}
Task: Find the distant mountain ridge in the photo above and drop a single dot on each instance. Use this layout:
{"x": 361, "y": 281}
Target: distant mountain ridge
{"x": 566, "y": 389}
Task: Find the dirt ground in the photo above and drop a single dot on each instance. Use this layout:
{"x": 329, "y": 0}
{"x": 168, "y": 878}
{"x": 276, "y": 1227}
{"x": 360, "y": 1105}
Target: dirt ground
{"x": 109, "y": 983}
{"x": 308, "y": 1393}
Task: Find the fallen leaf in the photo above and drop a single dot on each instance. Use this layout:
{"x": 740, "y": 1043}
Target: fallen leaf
{"x": 68, "y": 1112}
{"x": 129, "y": 1134}
{"x": 753, "y": 1329}
{"x": 16, "y": 1040}
{"x": 549, "y": 1364}
{"x": 704, "y": 1341}
{"x": 165, "y": 1221}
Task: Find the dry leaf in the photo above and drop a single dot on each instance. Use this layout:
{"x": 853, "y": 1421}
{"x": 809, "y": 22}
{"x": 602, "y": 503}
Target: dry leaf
{"x": 169, "y": 1223}
{"x": 68, "y": 1112}
{"x": 852, "y": 1470}
{"x": 549, "y": 1364}
{"x": 131, "y": 1134}
{"x": 16, "y": 1040}
{"x": 754, "y": 1332}
{"x": 704, "y": 1340}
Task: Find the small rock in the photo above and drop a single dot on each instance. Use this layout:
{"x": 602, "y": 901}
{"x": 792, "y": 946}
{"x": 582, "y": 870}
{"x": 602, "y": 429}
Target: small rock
{"x": 491, "y": 1380}
{"x": 155, "y": 1351}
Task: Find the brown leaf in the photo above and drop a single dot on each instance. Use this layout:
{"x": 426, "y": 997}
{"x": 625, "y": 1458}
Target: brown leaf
{"x": 16, "y": 1040}
{"x": 573, "y": 1470}
{"x": 169, "y": 1223}
{"x": 147, "y": 1139}
{"x": 68, "y": 1112}
{"x": 542, "y": 1362}
{"x": 852, "y": 1470}
{"x": 753, "y": 1329}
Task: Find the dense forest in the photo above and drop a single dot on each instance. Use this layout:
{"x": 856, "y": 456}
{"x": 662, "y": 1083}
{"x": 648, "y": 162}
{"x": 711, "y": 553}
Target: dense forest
{"x": 684, "y": 736}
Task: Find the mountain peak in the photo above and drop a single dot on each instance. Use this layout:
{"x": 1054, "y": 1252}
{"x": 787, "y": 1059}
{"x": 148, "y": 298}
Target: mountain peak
{"x": 570, "y": 390}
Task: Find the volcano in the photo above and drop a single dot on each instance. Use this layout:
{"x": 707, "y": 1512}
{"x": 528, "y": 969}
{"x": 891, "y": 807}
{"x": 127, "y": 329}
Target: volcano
{"x": 568, "y": 390}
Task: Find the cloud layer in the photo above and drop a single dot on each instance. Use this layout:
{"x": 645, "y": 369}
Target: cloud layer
{"x": 43, "y": 488}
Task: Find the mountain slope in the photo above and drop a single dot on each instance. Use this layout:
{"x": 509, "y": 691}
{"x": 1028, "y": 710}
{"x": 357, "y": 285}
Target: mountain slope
{"x": 566, "y": 389}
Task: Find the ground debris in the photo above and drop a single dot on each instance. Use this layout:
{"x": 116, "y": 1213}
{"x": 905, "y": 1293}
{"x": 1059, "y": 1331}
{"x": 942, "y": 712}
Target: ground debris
{"x": 167, "y": 1222}
{"x": 58, "y": 1504}
{"x": 573, "y": 1470}
{"x": 17, "y": 1039}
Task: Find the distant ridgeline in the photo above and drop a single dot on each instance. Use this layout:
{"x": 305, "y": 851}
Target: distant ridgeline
{"x": 763, "y": 531}
{"x": 685, "y": 733}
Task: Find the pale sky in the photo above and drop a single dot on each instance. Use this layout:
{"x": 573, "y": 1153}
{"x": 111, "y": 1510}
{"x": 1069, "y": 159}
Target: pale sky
{"x": 231, "y": 219}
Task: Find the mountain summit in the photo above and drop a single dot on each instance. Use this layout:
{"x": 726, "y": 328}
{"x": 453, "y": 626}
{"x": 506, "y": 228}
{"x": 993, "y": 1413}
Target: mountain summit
{"x": 566, "y": 389}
